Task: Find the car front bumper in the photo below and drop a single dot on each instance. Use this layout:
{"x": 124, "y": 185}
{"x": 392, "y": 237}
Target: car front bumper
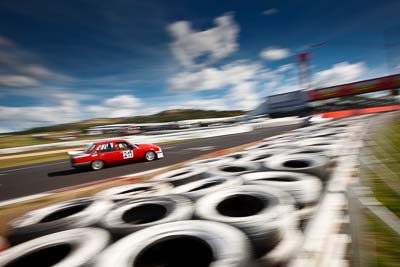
{"x": 160, "y": 154}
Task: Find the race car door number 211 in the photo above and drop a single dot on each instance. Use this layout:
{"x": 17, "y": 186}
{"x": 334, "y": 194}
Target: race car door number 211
{"x": 127, "y": 154}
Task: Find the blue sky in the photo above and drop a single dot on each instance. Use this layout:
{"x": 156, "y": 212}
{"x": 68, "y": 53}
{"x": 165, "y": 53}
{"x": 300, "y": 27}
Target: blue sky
{"x": 63, "y": 61}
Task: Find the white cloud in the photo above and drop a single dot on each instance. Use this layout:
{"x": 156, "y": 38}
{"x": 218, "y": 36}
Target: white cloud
{"x": 17, "y": 81}
{"x": 340, "y": 73}
{"x": 5, "y": 41}
{"x": 35, "y": 116}
{"x": 243, "y": 96}
{"x": 20, "y": 69}
{"x": 275, "y": 53}
{"x": 214, "y": 78}
{"x": 285, "y": 68}
{"x": 270, "y": 11}
{"x": 123, "y": 102}
{"x": 35, "y": 70}
{"x": 64, "y": 108}
{"x": 240, "y": 77}
{"x": 115, "y": 107}
{"x": 214, "y": 43}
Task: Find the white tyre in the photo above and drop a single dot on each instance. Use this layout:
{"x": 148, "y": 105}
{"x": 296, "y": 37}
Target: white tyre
{"x": 303, "y": 187}
{"x": 312, "y": 150}
{"x": 235, "y": 169}
{"x": 71, "y": 248}
{"x": 184, "y": 243}
{"x": 312, "y": 164}
{"x": 211, "y": 161}
{"x": 133, "y": 215}
{"x": 82, "y": 212}
{"x": 197, "y": 189}
{"x": 182, "y": 175}
{"x": 256, "y": 210}
{"x": 135, "y": 190}
{"x": 260, "y": 156}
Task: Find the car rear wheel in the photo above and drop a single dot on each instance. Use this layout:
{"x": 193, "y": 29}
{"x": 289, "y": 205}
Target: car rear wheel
{"x": 97, "y": 165}
{"x": 150, "y": 155}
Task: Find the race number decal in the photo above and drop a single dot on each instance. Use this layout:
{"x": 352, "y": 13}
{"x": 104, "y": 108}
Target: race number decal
{"x": 127, "y": 154}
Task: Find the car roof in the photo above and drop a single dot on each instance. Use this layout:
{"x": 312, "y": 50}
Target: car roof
{"x": 110, "y": 140}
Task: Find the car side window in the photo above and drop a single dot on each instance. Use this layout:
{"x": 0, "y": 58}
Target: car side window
{"x": 108, "y": 147}
{"x": 124, "y": 146}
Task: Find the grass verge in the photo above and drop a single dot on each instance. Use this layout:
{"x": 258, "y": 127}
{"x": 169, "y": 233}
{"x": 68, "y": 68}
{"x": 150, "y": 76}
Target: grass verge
{"x": 7, "y": 163}
{"x": 382, "y": 245}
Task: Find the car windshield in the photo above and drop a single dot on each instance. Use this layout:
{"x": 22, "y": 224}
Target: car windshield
{"x": 89, "y": 148}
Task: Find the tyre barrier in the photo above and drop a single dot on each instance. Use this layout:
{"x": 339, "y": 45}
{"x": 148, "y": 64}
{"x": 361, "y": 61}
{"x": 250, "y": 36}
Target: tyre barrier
{"x": 237, "y": 155}
{"x": 306, "y": 212}
{"x": 311, "y": 150}
{"x": 211, "y": 161}
{"x": 77, "y": 213}
{"x": 185, "y": 243}
{"x": 305, "y": 189}
{"x": 261, "y": 156}
{"x": 292, "y": 135}
{"x": 322, "y": 143}
{"x": 318, "y": 141}
{"x": 259, "y": 211}
{"x": 284, "y": 143}
{"x": 235, "y": 169}
{"x": 283, "y": 252}
{"x": 328, "y": 133}
{"x": 198, "y": 189}
{"x": 268, "y": 191}
{"x": 70, "y": 248}
{"x": 316, "y": 165}
{"x": 133, "y": 215}
{"x": 269, "y": 145}
{"x": 135, "y": 190}
{"x": 183, "y": 175}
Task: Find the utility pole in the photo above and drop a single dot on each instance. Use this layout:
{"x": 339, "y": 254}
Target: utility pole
{"x": 304, "y": 70}
{"x": 392, "y": 50}
{"x": 304, "y": 67}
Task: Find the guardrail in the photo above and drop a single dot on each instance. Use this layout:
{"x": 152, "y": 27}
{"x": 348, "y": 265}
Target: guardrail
{"x": 190, "y": 134}
{"x": 136, "y": 139}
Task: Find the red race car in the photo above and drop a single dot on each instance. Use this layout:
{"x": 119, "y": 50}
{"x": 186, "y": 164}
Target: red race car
{"x": 111, "y": 152}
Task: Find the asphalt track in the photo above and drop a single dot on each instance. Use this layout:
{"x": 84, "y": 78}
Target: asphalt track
{"x": 22, "y": 181}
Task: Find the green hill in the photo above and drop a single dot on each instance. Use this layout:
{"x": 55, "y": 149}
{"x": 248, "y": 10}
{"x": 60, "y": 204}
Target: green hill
{"x": 164, "y": 116}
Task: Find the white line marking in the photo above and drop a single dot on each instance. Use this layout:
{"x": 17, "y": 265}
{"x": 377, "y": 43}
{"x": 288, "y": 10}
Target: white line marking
{"x": 20, "y": 199}
{"x": 32, "y": 167}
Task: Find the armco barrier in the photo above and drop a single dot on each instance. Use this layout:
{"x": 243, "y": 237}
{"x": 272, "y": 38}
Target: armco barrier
{"x": 189, "y": 134}
{"x": 353, "y": 112}
{"x": 139, "y": 138}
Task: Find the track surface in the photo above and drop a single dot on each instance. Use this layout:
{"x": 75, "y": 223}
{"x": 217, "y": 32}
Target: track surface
{"x": 39, "y": 178}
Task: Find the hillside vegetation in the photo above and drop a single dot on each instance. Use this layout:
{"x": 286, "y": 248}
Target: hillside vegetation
{"x": 164, "y": 116}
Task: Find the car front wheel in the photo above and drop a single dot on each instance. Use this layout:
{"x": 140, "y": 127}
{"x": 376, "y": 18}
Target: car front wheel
{"x": 97, "y": 165}
{"x": 150, "y": 156}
